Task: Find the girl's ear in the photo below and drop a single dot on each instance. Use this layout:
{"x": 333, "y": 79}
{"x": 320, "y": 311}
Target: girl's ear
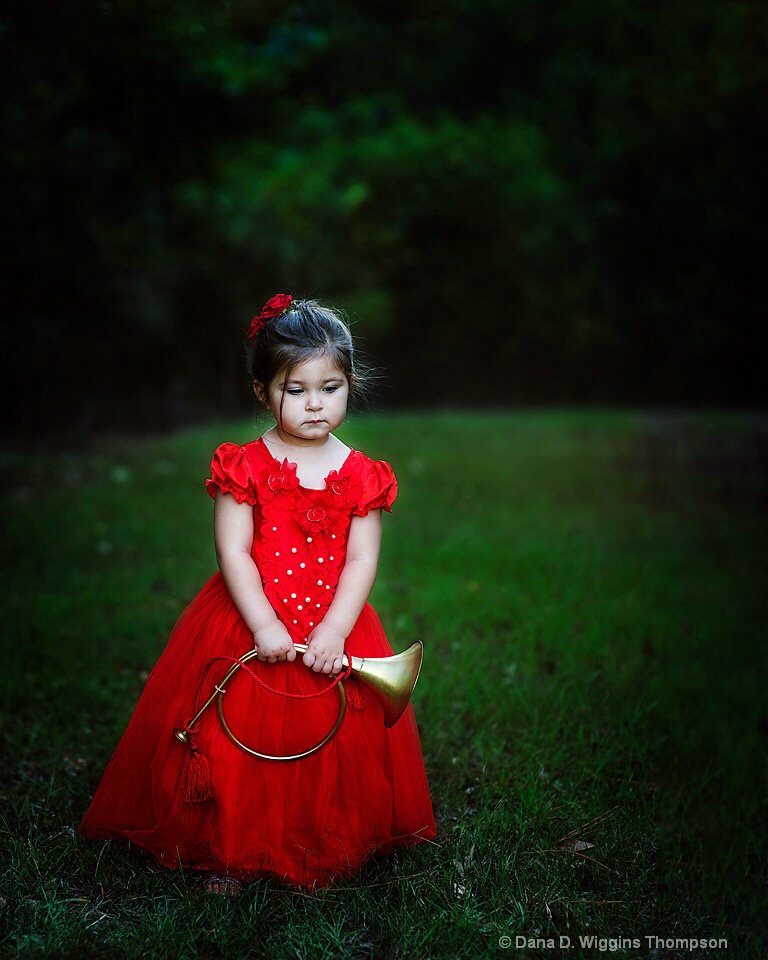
{"x": 261, "y": 394}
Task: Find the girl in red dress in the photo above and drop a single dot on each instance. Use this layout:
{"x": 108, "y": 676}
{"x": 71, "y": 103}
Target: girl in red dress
{"x": 297, "y": 524}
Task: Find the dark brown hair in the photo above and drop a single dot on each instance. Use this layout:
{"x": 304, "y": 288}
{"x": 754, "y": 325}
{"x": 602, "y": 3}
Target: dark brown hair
{"x": 305, "y": 331}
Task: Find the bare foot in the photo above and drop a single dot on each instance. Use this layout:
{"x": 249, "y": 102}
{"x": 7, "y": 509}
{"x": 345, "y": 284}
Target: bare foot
{"x": 223, "y": 886}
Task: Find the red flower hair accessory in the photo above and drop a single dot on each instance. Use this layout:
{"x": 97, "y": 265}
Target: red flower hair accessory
{"x": 276, "y": 307}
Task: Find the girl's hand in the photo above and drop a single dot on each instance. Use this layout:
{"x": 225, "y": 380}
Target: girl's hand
{"x": 274, "y": 643}
{"x": 325, "y": 650}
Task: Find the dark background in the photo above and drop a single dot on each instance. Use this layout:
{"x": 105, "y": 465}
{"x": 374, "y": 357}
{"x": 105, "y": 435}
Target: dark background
{"x": 515, "y": 201}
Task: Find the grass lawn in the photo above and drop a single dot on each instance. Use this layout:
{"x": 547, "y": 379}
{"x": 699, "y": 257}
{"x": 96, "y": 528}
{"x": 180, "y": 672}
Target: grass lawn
{"x": 590, "y": 590}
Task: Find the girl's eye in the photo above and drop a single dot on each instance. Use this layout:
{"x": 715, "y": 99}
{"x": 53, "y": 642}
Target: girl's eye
{"x": 294, "y": 391}
{"x": 331, "y": 389}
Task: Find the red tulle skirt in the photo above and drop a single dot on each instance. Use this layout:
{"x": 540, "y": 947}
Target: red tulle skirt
{"x": 305, "y": 822}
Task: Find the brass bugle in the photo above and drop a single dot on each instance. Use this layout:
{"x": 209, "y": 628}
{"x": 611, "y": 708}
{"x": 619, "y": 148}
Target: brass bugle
{"x": 391, "y": 680}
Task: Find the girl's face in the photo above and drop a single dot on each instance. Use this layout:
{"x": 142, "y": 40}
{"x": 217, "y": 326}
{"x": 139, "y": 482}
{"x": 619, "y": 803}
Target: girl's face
{"x": 310, "y": 403}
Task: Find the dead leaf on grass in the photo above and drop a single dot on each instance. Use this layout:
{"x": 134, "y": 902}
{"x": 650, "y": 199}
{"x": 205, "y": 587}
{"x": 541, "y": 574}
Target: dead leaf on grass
{"x": 578, "y": 845}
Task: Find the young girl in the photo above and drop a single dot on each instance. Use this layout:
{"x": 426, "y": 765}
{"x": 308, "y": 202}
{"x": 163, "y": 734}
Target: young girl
{"x": 297, "y": 525}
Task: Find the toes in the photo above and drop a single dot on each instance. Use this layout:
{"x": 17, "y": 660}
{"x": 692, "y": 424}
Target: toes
{"x": 223, "y": 886}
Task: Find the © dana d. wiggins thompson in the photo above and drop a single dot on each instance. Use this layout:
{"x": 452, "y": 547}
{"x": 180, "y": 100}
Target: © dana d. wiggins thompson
{"x": 611, "y": 944}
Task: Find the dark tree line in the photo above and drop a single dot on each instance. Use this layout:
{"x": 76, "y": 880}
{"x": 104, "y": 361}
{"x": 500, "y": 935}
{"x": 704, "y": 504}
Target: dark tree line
{"x": 515, "y": 201}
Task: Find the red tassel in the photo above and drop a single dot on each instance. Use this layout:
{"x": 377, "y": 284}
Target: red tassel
{"x": 197, "y": 778}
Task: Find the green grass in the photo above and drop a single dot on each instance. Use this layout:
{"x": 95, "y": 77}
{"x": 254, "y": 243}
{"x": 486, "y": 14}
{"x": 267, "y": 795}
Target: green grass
{"x": 589, "y": 587}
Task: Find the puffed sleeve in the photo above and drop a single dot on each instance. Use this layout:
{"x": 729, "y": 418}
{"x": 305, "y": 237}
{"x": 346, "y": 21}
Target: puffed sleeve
{"x": 230, "y": 473}
{"x": 379, "y": 489}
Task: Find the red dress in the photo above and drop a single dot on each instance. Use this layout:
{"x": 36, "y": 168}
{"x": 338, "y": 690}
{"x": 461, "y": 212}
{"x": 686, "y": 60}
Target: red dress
{"x": 308, "y": 821}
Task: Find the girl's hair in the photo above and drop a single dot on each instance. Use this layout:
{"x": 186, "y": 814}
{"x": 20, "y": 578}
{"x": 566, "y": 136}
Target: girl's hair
{"x": 306, "y": 330}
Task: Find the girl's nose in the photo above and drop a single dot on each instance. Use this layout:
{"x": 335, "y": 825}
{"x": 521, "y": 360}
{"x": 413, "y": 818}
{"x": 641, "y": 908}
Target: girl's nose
{"x": 314, "y": 401}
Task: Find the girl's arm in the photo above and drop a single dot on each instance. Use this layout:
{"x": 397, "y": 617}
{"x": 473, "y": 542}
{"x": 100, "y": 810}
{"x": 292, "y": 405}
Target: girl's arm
{"x": 233, "y": 535}
{"x": 326, "y": 642}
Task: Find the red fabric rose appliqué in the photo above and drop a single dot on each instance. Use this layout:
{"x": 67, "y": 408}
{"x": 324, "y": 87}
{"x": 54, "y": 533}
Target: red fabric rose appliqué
{"x": 278, "y": 478}
{"x": 316, "y": 515}
{"x": 343, "y": 486}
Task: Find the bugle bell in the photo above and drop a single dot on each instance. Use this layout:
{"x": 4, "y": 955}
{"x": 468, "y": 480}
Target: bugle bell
{"x": 390, "y": 679}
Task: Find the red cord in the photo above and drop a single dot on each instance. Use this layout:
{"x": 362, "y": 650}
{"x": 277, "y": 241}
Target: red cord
{"x": 282, "y": 693}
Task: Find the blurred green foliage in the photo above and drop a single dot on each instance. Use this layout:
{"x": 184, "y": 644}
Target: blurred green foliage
{"x": 542, "y": 202}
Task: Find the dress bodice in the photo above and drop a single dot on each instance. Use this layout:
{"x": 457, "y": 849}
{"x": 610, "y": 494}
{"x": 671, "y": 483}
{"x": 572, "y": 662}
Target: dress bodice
{"x": 300, "y": 533}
